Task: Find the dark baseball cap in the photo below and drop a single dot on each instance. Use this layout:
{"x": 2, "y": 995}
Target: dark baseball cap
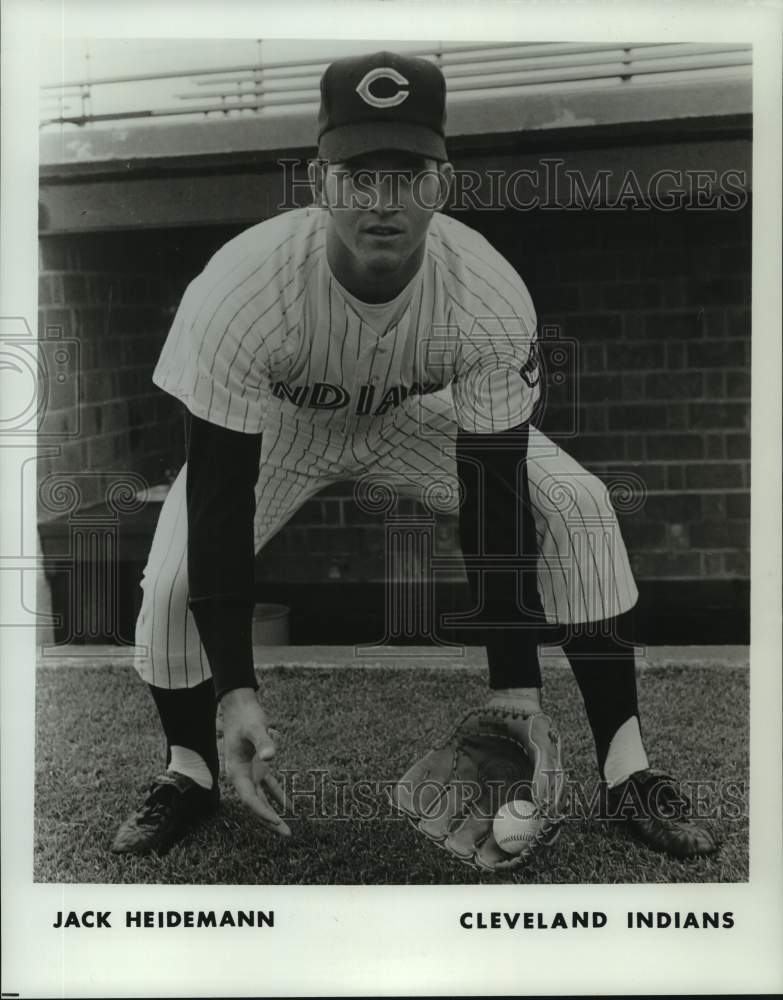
{"x": 382, "y": 101}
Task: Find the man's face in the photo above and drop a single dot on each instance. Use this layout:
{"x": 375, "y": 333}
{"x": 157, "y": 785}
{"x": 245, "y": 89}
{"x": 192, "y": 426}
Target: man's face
{"x": 381, "y": 205}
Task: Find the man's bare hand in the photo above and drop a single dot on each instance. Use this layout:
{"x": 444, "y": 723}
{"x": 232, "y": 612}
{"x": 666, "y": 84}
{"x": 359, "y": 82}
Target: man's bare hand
{"x": 249, "y": 750}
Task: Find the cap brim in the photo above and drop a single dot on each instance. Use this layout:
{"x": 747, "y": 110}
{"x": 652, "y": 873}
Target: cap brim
{"x": 346, "y": 141}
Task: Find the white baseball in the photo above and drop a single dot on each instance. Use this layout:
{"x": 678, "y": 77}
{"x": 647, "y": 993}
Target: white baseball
{"x": 515, "y": 826}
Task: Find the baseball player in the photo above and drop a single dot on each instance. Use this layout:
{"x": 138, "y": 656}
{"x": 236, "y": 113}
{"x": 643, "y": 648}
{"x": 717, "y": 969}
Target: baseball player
{"x": 369, "y": 335}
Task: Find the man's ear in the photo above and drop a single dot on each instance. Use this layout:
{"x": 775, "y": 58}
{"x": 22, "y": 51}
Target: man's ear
{"x": 446, "y": 175}
{"x": 316, "y": 173}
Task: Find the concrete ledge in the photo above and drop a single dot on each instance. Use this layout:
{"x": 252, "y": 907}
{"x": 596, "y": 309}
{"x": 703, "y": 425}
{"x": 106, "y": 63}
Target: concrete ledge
{"x": 471, "y": 658}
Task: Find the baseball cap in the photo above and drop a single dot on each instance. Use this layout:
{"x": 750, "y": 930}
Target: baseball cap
{"x": 382, "y": 101}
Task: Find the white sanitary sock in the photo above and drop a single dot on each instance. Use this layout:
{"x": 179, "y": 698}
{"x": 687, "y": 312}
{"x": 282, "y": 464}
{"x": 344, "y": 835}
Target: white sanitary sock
{"x": 528, "y": 699}
{"x": 626, "y": 753}
{"x": 190, "y": 763}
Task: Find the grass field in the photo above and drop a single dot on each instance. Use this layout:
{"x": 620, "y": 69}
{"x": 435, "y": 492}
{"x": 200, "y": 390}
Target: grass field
{"x": 99, "y": 745}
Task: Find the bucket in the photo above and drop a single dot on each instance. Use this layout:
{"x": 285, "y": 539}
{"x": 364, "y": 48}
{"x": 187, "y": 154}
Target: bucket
{"x": 270, "y": 625}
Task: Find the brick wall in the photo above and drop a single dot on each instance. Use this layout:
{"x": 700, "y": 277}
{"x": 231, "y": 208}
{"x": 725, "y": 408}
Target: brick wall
{"x": 658, "y": 305}
{"x": 655, "y": 306}
{"x": 115, "y": 294}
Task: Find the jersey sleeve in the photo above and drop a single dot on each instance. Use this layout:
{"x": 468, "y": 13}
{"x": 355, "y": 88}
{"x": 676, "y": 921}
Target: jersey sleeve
{"x": 497, "y": 377}
{"x": 222, "y": 470}
{"x": 216, "y": 357}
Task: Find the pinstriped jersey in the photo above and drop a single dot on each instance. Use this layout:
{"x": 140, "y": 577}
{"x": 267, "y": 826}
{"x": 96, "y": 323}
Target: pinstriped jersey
{"x": 266, "y": 335}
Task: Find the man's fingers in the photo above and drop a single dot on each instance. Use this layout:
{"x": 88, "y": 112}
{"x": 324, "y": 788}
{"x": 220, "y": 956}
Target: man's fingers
{"x": 248, "y": 793}
{"x": 275, "y": 788}
{"x": 262, "y": 774}
{"x": 264, "y": 744}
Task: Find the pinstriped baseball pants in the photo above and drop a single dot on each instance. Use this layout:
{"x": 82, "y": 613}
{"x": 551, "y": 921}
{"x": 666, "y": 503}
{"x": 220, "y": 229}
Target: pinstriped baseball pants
{"x": 583, "y": 570}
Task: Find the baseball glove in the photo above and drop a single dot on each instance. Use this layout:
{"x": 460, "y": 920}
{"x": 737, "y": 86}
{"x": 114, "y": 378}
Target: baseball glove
{"x": 494, "y": 755}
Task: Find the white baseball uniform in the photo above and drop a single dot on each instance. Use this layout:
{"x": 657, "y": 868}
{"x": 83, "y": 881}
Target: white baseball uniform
{"x": 267, "y": 341}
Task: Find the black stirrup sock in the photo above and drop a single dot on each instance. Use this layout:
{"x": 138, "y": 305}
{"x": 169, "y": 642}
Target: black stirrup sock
{"x": 604, "y": 667}
{"x": 188, "y": 719}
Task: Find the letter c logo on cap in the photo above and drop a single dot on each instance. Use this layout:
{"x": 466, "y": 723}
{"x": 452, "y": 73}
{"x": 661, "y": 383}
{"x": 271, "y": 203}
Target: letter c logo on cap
{"x": 383, "y": 73}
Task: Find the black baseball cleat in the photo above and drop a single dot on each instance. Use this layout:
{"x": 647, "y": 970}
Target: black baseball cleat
{"x": 657, "y": 813}
{"x": 173, "y": 805}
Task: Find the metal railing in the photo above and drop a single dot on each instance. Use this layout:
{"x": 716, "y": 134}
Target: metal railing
{"x": 471, "y": 71}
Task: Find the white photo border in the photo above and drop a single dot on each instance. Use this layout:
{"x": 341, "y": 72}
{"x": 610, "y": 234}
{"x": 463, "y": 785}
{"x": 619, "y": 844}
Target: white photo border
{"x": 394, "y": 939}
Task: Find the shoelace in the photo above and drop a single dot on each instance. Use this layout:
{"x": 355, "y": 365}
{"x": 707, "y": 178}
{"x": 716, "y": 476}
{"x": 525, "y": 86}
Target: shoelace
{"x": 158, "y": 800}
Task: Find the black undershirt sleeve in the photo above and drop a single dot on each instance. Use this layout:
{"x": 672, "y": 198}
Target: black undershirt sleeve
{"x": 498, "y": 540}
{"x": 222, "y": 470}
